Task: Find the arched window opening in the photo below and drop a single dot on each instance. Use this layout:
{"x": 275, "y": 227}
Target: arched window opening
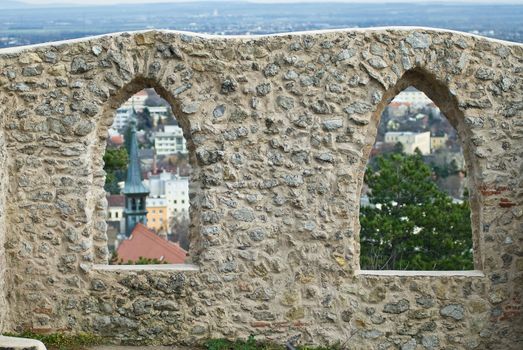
{"x": 147, "y": 183}
{"x": 414, "y": 210}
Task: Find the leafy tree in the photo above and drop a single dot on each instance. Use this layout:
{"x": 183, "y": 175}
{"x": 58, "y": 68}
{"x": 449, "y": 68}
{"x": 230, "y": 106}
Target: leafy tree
{"x": 398, "y": 148}
{"x": 410, "y": 224}
{"x": 145, "y": 120}
{"x": 115, "y": 160}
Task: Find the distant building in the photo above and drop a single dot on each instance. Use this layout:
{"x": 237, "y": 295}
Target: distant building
{"x": 413, "y": 97}
{"x": 115, "y": 219}
{"x": 144, "y": 243}
{"x": 137, "y": 100}
{"x": 410, "y": 140}
{"x": 124, "y": 113}
{"x": 158, "y": 112}
{"x": 146, "y": 156}
{"x": 437, "y": 142}
{"x": 121, "y": 118}
{"x": 397, "y": 109}
{"x": 173, "y": 188}
{"x": 157, "y": 214}
{"x": 170, "y": 141}
{"x": 115, "y": 210}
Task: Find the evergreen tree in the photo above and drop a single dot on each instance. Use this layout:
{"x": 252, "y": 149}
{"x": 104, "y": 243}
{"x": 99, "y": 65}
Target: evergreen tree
{"x": 411, "y": 224}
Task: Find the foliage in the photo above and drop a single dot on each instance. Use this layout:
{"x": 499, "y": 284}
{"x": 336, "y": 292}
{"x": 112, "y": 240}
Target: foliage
{"x": 115, "y": 260}
{"x": 61, "y": 341}
{"x": 446, "y": 169}
{"x": 411, "y": 224}
{"x": 115, "y": 160}
{"x": 145, "y": 121}
{"x": 252, "y": 344}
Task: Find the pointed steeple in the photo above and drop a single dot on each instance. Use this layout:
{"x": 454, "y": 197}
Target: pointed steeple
{"x": 133, "y": 182}
{"x": 135, "y": 192}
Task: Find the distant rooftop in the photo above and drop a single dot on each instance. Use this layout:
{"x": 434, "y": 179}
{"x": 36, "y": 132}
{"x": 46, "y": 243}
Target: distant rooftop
{"x": 145, "y": 243}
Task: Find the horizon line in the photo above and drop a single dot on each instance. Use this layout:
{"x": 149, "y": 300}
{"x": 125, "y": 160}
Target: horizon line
{"x": 18, "y": 49}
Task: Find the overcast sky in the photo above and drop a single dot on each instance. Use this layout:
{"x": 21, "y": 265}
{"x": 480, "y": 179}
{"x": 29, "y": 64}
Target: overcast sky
{"x": 106, "y": 2}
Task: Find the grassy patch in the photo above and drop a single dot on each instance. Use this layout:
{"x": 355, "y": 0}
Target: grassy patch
{"x": 60, "y": 341}
{"x": 252, "y": 344}
{"x": 81, "y": 341}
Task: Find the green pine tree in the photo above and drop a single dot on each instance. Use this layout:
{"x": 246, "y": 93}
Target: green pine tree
{"x": 411, "y": 224}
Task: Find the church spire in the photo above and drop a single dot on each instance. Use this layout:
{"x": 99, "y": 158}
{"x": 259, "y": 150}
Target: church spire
{"x": 134, "y": 190}
{"x": 133, "y": 182}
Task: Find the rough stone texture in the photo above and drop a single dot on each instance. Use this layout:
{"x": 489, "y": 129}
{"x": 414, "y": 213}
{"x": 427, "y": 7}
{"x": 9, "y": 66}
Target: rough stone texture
{"x": 4, "y": 307}
{"x": 274, "y": 193}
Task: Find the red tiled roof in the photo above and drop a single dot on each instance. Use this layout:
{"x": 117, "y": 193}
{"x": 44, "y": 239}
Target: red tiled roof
{"x": 145, "y": 243}
{"x": 117, "y": 139}
{"x": 116, "y": 200}
{"x": 398, "y": 104}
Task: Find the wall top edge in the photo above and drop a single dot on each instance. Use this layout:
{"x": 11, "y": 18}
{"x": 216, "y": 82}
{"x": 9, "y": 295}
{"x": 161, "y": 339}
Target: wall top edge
{"x": 18, "y": 49}
{"x": 161, "y": 267}
{"x": 403, "y": 273}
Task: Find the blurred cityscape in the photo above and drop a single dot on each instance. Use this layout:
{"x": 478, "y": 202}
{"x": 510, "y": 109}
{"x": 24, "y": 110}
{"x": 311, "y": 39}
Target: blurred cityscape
{"x": 23, "y": 24}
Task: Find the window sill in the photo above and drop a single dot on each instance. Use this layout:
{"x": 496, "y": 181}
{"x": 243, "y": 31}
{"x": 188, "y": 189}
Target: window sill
{"x": 403, "y": 273}
{"x": 159, "y": 267}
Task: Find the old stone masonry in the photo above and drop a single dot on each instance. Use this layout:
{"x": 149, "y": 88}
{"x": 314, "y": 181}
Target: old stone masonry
{"x": 279, "y": 130}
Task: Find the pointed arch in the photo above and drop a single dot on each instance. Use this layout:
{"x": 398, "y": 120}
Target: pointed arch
{"x": 97, "y": 199}
{"x": 448, "y": 103}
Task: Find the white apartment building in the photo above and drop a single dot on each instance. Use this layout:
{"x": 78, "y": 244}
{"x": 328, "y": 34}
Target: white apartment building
{"x": 412, "y": 96}
{"x": 410, "y": 140}
{"x": 174, "y": 189}
{"x": 170, "y": 141}
{"x": 121, "y": 118}
{"x": 122, "y": 114}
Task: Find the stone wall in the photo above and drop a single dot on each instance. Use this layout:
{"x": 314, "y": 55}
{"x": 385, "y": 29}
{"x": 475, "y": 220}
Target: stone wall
{"x": 279, "y": 130}
{"x": 3, "y": 264}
